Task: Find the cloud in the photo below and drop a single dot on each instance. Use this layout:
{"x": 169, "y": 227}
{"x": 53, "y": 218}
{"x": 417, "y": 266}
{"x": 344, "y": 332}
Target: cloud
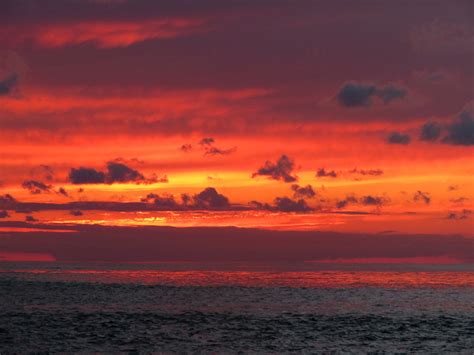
{"x": 323, "y": 173}
{"x": 286, "y": 204}
{"x": 453, "y": 187}
{"x": 348, "y": 200}
{"x": 367, "y": 200}
{"x": 30, "y": 218}
{"x": 281, "y": 170}
{"x": 110, "y": 34}
{"x": 422, "y": 196}
{"x": 152, "y": 244}
{"x": 398, "y": 138}
{"x": 4, "y": 214}
{"x": 7, "y": 201}
{"x": 206, "y": 141}
{"x": 391, "y": 92}
{"x": 165, "y": 201}
{"x": 461, "y": 131}
{"x": 76, "y": 213}
{"x": 371, "y": 172}
{"x": 186, "y": 199}
{"x": 458, "y": 132}
{"x": 121, "y": 173}
{"x": 116, "y": 173}
{"x": 464, "y": 214}
{"x": 303, "y": 191}
{"x": 430, "y": 131}
{"x": 208, "y": 147}
{"x": 372, "y": 200}
{"x": 8, "y": 84}
{"x": 217, "y": 151}
{"x": 36, "y": 187}
{"x": 282, "y": 204}
{"x": 459, "y": 200}
{"x": 62, "y": 191}
{"x": 186, "y": 148}
{"x": 86, "y": 176}
{"x": 209, "y": 198}
{"x": 353, "y": 94}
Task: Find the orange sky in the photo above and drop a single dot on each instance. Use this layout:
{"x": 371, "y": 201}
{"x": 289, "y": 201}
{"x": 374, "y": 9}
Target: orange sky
{"x": 250, "y": 100}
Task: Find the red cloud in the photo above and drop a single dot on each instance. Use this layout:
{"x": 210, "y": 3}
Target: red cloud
{"x": 109, "y": 34}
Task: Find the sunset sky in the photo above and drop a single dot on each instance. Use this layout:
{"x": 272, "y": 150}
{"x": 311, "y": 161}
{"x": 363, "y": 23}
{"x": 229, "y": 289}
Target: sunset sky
{"x": 344, "y": 116}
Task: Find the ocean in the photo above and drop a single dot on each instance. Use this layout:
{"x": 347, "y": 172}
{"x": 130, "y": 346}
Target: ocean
{"x": 236, "y": 307}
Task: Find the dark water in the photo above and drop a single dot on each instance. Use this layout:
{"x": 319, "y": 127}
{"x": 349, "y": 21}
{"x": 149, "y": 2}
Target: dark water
{"x": 196, "y": 308}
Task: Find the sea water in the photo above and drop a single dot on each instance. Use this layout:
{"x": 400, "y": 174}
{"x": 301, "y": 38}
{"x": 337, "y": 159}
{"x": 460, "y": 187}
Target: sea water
{"x": 235, "y": 307}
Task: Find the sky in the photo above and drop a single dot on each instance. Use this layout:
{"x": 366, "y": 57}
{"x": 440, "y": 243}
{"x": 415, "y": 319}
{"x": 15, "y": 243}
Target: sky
{"x": 335, "y": 116}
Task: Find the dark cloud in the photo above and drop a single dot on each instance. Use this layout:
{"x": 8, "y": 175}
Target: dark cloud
{"x": 149, "y": 198}
{"x": 206, "y": 141}
{"x": 186, "y": 148}
{"x": 165, "y": 244}
{"x": 367, "y": 200}
{"x": 323, "y": 173}
{"x": 209, "y": 198}
{"x": 166, "y": 202}
{"x": 353, "y": 94}
{"x": 461, "y": 131}
{"x": 86, "y": 176}
{"x": 76, "y": 213}
{"x": 116, "y": 173}
{"x": 4, "y": 214}
{"x": 286, "y": 204}
{"x": 398, "y": 138}
{"x": 282, "y": 204}
{"x": 62, "y": 191}
{"x": 422, "y": 196}
{"x": 459, "y": 200}
{"x": 186, "y": 199}
{"x": 36, "y": 187}
{"x": 218, "y": 151}
{"x": 129, "y": 161}
{"x": 8, "y": 84}
{"x": 208, "y": 147}
{"x": 464, "y": 214}
{"x": 281, "y": 170}
{"x": 257, "y": 205}
{"x": 121, "y": 173}
{"x": 154, "y": 178}
{"x": 430, "y": 131}
{"x": 372, "y": 200}
{"x": 6, "y": 199}
{"x": 8, "y": 202}
{"x": 348, "y": 200}
{"x": 453, "y": 187}
{"x": 303, "y": 191}
{"x": 341, "y": 204}
{"x": 30, "y": 218}
{"x": 372, "y": 172}
{"x": 391, "y": 92}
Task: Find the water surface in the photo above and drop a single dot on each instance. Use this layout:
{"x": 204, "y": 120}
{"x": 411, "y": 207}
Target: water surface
{"x": 235, "y": 307}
